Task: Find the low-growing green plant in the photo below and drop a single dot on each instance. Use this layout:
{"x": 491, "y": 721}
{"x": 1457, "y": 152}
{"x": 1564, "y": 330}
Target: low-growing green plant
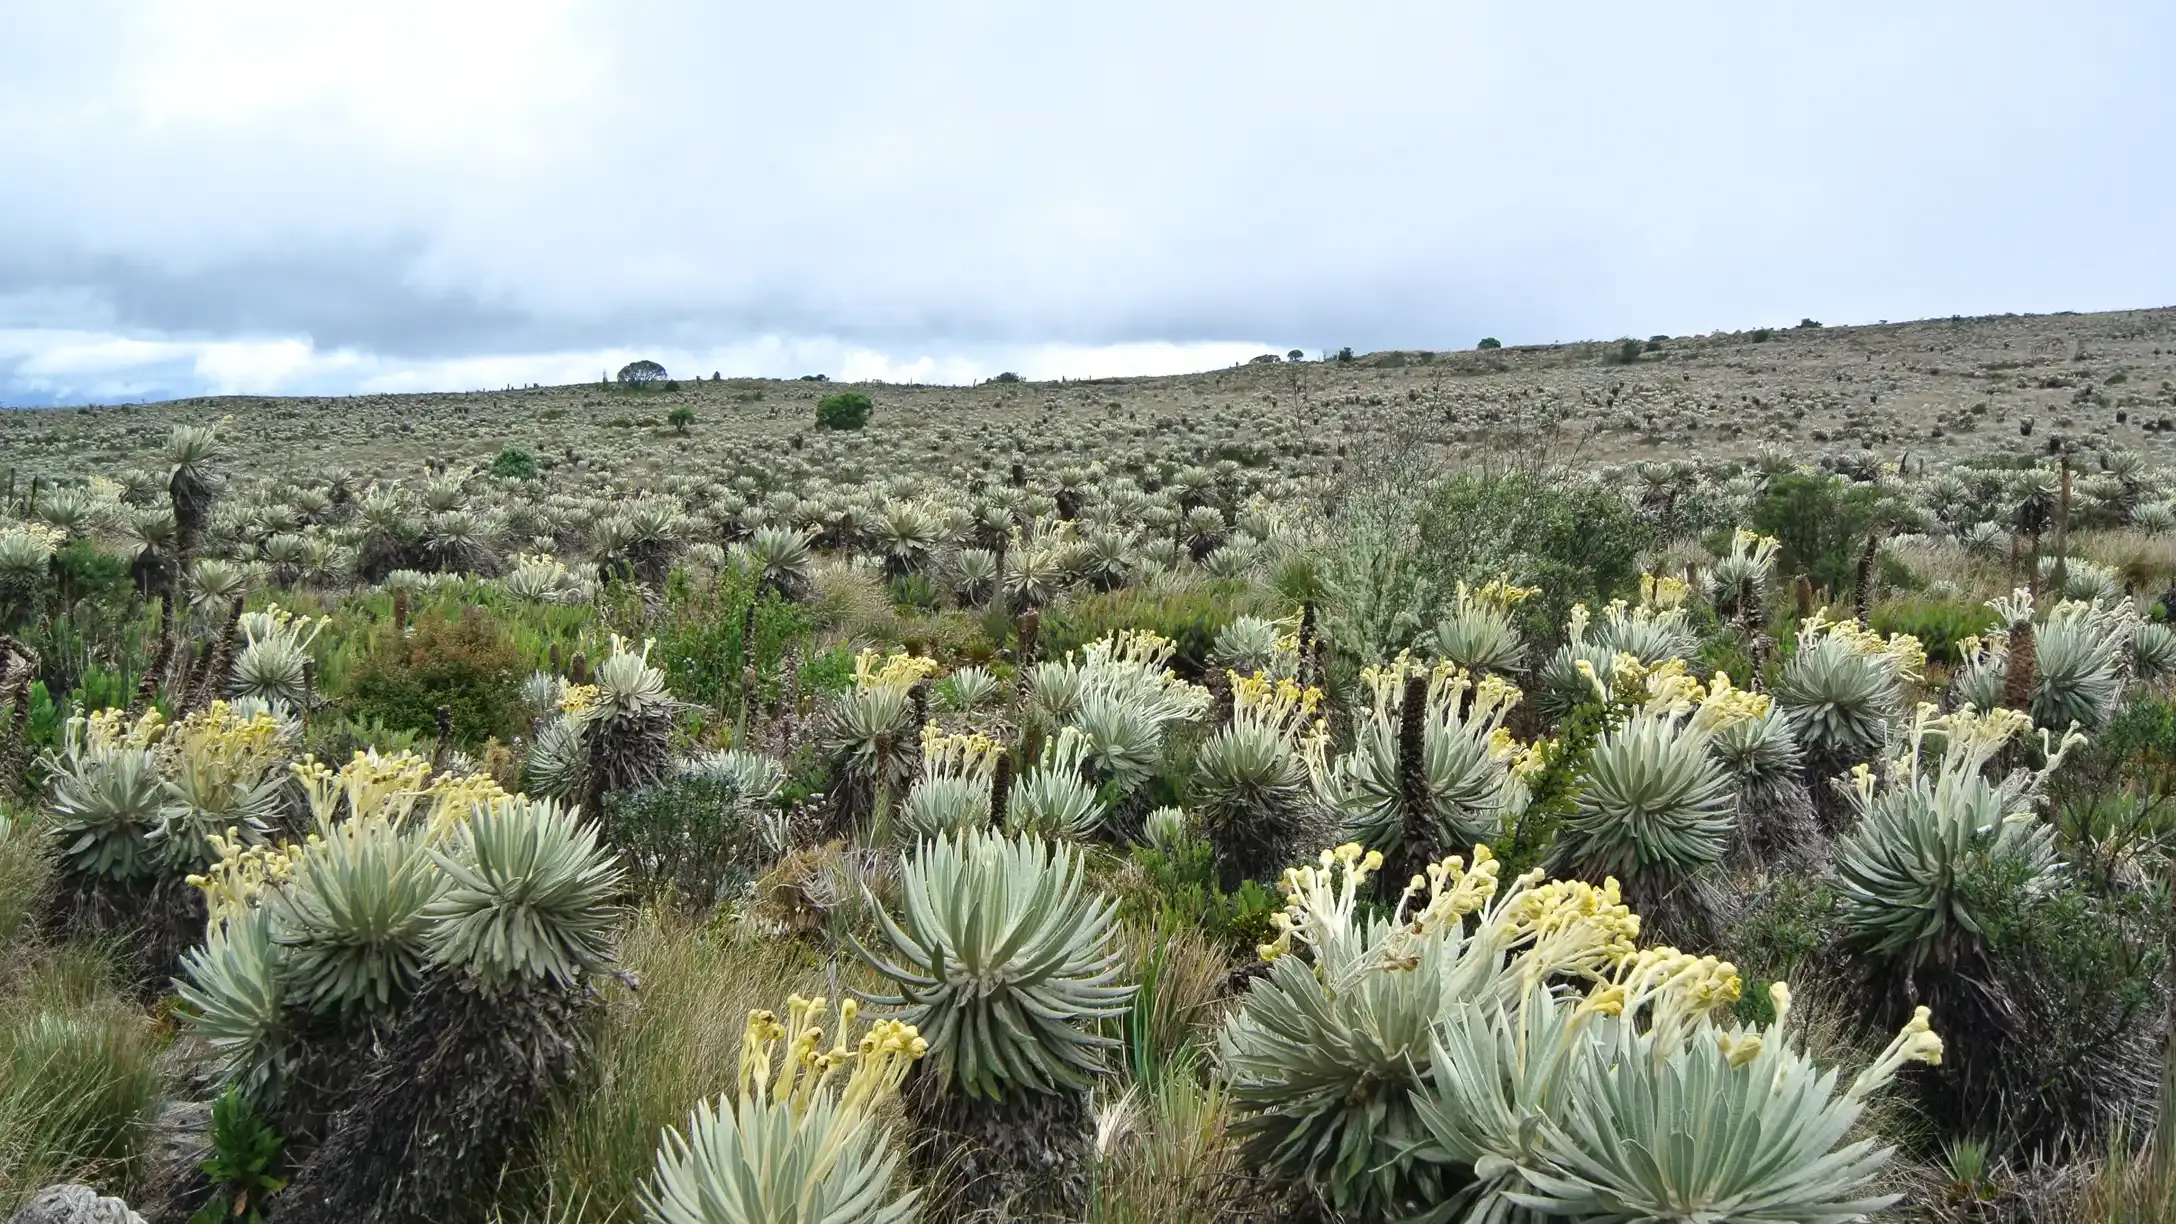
{"x": 843, "y": 410}
{"x": 243, "y": 1165}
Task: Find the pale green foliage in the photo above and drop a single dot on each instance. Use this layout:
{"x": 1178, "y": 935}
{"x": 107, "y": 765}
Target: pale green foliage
{"x": 528, "y": 895}
{"x": 351, "y": 926}
{"x": 1002, "y": 958}
{"x": 2081, "y": 652}
{"x": 2153, "y": 651}
{"x": 270, "y": 666}
{"x": 1249, "y": 644}
{"x": 232, "y": 998}
{"x": 1480, "y": 636}
{"x": 1654, "y": 798}
{"x": 1898, "y": 873}
{"x": 1655, "y": 1130}
{"x": 1762, "y": 749}
{"x": 104, "y": 804}
{"x": 1841, "y": 698}
{"x": 1471, "y": 788}
{"x": 766, "y": 1162}
{"x": 1052, "y": 799}
{"x": 1118, "y": 693}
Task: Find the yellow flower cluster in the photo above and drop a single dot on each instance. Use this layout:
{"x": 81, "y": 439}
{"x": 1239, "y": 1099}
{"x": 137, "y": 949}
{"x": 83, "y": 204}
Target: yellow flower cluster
{"x": 1144, "y": 647}
{"x": 1499, "y": 593}
{"x": 961, "y": 756}
{"x": 453, "y": 796}
{"x": 576, "y": 700}
{"x": 214, "y": 748}
{"x": 1565, "y": 927}
{"x": 1903, "y": 651}
{"x": 1915, "y": 1042}
{"x": 1319, "y": 900}
{"x": 1759, "y": 549}
{"x": 1676, "y": 989}
{"x": 898, "y": 670}
{"x": 1453, "y": 891}
{"x": 105, "y": 731}
{"x": 1282, "y": 706}
{"x": 370, "y": 784}
{"x": 1662, "y": 594}
{"x": 874, "y": 1064}
{"x": 242, "y": 874}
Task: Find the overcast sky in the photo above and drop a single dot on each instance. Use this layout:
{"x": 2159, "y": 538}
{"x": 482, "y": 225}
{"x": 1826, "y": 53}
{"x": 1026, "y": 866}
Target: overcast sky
{"x": 317, "y": 197}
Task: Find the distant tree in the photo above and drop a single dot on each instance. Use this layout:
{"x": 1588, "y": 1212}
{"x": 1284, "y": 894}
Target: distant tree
{"x": 1489, "y": 342}
{"x": 845, "y": 410}
{"x": 1761, "y": 335}
{"x": 640, "y": 375}
{"x": 1295, "y": 355}
{"x": 1626, "y": 352}
{"x": 1007, "y": 377}
{"x": 1264, "y": 359}
{"x": 680, "y": 418}
{"x": 1804, "y": 323}
{"x": 815, "y": 378}
{"x": 716, "y": 377}
{"x": 1345, "y": 354}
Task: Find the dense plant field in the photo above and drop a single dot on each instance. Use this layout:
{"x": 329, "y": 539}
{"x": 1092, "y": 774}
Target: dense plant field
{"x": 1169, "y": 838}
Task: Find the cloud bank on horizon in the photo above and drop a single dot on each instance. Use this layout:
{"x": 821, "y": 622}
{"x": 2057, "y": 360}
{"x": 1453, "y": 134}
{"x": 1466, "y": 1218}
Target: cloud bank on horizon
{"x": 249, "y": 196}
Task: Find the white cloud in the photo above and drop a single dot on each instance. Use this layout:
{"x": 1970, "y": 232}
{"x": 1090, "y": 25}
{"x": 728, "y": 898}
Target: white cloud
{"x": 359, "y": 196}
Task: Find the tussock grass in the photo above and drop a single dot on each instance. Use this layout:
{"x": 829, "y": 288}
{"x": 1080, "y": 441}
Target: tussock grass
{"x": 670, "y": 1042}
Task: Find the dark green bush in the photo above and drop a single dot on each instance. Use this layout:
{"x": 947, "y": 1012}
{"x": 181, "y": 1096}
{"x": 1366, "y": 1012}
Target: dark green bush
{"x": 1822, "y": 523}
{"x": 514, "y": 463}
{"x": 1625, "y": 352}
{"x": 1939, "y": 624}
{"x": 1489, "y": 342}
{"x": 680, "y": 418}
{"x": 462, "y": 661}
{"x": 1577, "y": 542}
{"x": 1179, "y": 890}
{"x": 843, "y": 410}
{"x": 1190, "y": 617}
{"x": 695, "y": 836}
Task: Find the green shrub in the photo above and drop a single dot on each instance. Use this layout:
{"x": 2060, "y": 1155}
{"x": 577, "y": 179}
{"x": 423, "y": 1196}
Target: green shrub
{"x": 695, "y": 834}
{"x": 242, "y": 1167}
{"x": 1575, "y": 541}
{"x": 1625, "y": 352}
{"x": 1190, "y": 617}
{"x": 1177, "y": 889}
{"x": 680, "y": 418}
{"x": 1489, "y": 342}
{"x": 461, "y": 661}
{"x": 1939, "y": 624}
{"x": 514, "y": 463}
{"x": 843, "y": 410}
{"x": 1822, "y": 523}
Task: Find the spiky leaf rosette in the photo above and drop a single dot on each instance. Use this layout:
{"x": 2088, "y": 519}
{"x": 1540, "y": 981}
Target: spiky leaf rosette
{"x": 528, "y": 896}
{"x": 270, "y": 667}
{"x": 1252, "y": 644}
{"x": 1324, "y": 1054}
{"x": 869, "y": 733}
{"x": 1468, "y": 767}
{"x": 225, "y": 767}
{"x": 552, "y": 768}
{"x": 1699, "y": 1122}
{"x": 106, "y": 796}
{"x": 1899, "y": 872}
{"x": 627, "y": 723}
{"x": 1478, "y": 634}
{"x": 1119, "y": 693}
{"x": 953, "y": 793}
{"x": 1002, "y": 958}
{"x": 1845, "y": 686}
{"x": 1654, "y": 799}
{"x": 794, "y": 1146}
{"x": 1758, "y": 751}
{"x": 1250, "y": 790}
{"x": 2078, "y": 659}
{"x": 2153, "y": 651}
{"x": 232, "y": 999}
{"x": 1653, "y": 634}
{"x": 351, "y": 923}
{"x": 1053, "y": 799}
